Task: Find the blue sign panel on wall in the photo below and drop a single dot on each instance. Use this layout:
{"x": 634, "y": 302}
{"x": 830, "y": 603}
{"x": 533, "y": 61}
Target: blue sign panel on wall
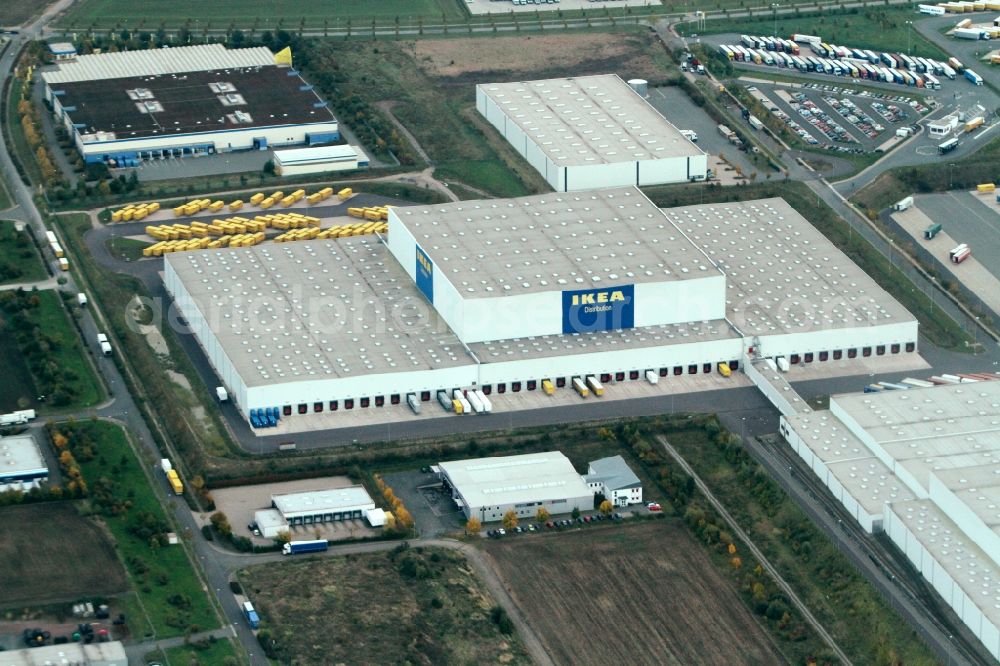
{"x": 607, "y": 309}
{"x": 425, "y": 275}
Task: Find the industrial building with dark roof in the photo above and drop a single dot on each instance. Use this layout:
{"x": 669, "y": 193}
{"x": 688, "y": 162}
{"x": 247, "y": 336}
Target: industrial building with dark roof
{"x": 186, "y": 101}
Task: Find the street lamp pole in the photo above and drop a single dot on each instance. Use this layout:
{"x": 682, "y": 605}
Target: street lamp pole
{"x": 909, "y": 30}
{"x": 774, "y": 11}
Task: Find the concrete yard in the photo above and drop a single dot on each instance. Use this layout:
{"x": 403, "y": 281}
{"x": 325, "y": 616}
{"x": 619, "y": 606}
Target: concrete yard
{"x": 972, "y": 273}
{"x": 510, "y": 403}
{"x": 240, "y": 503}
{"x": 968, "y": 217}
{"x": 503, "y": 404}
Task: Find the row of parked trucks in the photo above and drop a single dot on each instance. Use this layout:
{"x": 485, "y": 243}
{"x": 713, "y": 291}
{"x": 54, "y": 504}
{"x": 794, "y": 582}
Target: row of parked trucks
{"x": 844, "y": 61}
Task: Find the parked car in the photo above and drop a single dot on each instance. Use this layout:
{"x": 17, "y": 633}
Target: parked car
{"x": 550, "y": 525}
{"x": 616, "y": 516}
{"x": 532, "y": 528}
{"x": 501, "y": 532}
{"x": 653, "y": 506}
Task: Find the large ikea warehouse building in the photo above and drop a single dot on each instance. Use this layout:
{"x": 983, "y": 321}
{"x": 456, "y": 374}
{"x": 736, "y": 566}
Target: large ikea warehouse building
{"x": 591, "y": 131}
{"x": 922, "y": 465}
{"x": 499, "y": 295}
{"x": 122, "y": 108}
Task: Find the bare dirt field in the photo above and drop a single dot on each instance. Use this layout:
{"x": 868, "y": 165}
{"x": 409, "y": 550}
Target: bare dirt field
{"x": 50, "y": 553}
{"x": 627, "y": 54}
{"x": 409, "y": 605}
{"x": 639, "y": 594}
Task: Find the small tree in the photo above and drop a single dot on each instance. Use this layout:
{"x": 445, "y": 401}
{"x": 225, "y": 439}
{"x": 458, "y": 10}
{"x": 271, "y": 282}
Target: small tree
{"x": 606, "y": 507}
{"x": 284, "y": 536}
{"x": 403, "y": 517}
{"x": 509, "y": 520}
{"x": 542, "y": 515}
{"x": 576, "y": 513}
{"x": 221, "y": 523}
{"x": 473, "y": 526}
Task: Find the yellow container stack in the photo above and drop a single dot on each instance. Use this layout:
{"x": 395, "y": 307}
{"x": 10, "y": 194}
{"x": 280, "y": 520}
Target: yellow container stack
{"x": 257, "y": 198}
{"x": 337, "y": 231}
{"x": 345, "y": 194}
{"x": 372, "y": 213}
{"x": 321, "y": 195}
{"x": 134, "y": 212}
{"x": 235, "y": 205}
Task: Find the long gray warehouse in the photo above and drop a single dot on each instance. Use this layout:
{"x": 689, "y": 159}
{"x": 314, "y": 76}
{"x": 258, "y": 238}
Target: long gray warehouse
{"x": 500, "y": 294}
{"x": 588, "y": 132}
{"x": 922, "y": 465}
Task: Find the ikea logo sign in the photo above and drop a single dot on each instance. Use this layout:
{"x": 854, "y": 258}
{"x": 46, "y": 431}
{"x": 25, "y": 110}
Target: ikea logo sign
{"x": 589, "y": 310}
{"x": 425, "y": 275}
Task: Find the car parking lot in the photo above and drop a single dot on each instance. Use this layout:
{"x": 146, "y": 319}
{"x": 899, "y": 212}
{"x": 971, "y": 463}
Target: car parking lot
{"x": 558, "y": 524}
{"x": 838, "y": 118}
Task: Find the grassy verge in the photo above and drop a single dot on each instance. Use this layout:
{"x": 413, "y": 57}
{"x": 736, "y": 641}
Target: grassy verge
{"x": 414, "y": 605}
{"x": 38, "y": 328}
{"x": 5, "y": 200}
{"x": 185, "y": 407}
{"x": 881, "y": 28}
{"x": 854, "y": 613}
{"x": 175, "y": 191}
{"x": 18, "y": 143}
{"x": 19, "y": 261}
{"x": 169, "y": 592}
{"x": 128, "y": 249}
{"x": 942, "y": 175}
{"x": 935, "y": 324}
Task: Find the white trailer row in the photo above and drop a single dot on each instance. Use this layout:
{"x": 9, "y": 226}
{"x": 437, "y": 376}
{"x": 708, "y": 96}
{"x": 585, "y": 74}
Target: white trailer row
{"x": 856, "y": 63}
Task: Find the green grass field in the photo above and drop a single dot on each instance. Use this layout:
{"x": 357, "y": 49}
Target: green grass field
{"x": 877, "y": 28}
{"x": 291, "y": 13}
{"x": 67, "y": 354}
{"x": 205, "y": 653}
{"x": 20, "y": 143}
{"x": 19, "y": 261}
{"x": 169, "y": 592}
{"x": 18, "y": 12}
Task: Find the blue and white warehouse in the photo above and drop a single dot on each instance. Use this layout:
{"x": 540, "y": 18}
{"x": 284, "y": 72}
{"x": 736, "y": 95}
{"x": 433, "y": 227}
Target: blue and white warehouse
{"x": 126, "y": 107}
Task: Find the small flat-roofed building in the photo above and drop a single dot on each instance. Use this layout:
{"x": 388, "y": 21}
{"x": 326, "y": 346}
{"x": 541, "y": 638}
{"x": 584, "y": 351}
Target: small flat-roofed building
{"x": 61, "y": 51}
{"x": 323, "y": 506}
{"x": 123, "y": 108}
{"x": 489, "y": 487}
{"x": 270, "y": 522}
{"x": 111, "y": 653}
{"x": 22, "y": 466}
{"x": 590, "y": 131}
{"x": 299, "y": 161}
{"x": 613, "y": 478}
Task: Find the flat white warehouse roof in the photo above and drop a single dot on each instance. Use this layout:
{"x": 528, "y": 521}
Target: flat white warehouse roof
{"x": 782, "y": 274}
{"x": 323, "y": 501}
{"x": 589, "y": 120}
{"x": 315, "y": 310}
{"x": 554, "y": 242}
{"x": 151, "y": 62}
{"x": 531, "y": 477}
{"x": 19, "y": 454}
